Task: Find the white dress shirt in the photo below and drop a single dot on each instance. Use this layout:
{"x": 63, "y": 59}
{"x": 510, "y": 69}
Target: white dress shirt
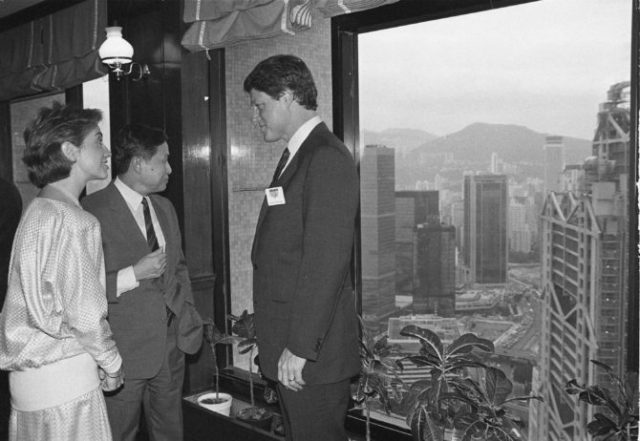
{"x": 299, "y": 137}
{"x": 126, "y": 277}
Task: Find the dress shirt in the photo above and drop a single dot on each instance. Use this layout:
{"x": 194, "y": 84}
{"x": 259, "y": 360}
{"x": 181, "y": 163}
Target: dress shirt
{"x": 126, "y": 277}
{"x": 299, "y": 137}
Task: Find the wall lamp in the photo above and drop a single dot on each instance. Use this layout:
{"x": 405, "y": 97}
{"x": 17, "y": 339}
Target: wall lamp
{"x": 117, "y": 53}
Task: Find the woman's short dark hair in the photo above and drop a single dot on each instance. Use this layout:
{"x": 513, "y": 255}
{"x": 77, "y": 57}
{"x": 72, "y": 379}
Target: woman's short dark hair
{"x": 135, "y": 140}
{"x": 45, "y": 135}
{"x": 279, "y": 73}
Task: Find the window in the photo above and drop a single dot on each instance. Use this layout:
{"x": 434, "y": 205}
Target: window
{"x": 454, "y": 124}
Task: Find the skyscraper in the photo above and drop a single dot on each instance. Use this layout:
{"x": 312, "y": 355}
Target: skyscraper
{"x": 553, "y": 163}
{"x": 377, "y": 217}
{"x": 485, "y": 228}
{"x": 584, "y": 279}
{"x": 412, "y": 209}
{"x": 436, "y": 270}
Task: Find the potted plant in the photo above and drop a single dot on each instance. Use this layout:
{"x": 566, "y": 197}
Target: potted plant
{"x": 378, "y": 375}
{"x": 451, "y": 404}
{"x": 244, "y": 328}
{"x": 485, "y": 416}
{"x": 216, "y": 401}
{"x": 619, "y": 421}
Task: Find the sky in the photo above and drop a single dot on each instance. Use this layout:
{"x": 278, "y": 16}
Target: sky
{"x": 545, "y": 65}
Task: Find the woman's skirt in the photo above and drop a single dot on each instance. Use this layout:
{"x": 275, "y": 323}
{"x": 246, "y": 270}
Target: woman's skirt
{"x": 61, "y": 401}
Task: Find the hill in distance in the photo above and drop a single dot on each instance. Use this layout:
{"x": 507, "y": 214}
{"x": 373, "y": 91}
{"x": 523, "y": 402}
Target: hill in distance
{"x": 477, "y": 142}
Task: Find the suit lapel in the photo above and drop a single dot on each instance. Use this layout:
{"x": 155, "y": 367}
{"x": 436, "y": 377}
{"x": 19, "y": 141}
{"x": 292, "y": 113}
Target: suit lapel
{"x": 286, "y": 177}
{"x": 123, "y": 216}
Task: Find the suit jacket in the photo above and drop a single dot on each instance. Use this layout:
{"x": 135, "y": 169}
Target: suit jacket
{"x": 302, "y": 290}
{"x": 138, "y": 318}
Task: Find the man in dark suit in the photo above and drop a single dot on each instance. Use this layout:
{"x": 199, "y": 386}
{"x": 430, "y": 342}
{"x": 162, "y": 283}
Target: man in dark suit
{"x": 151, "y": 309}
{"x": 303, "y": 299}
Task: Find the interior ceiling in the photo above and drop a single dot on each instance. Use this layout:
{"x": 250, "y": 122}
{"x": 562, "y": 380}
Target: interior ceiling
{"x": 8, "y": 7}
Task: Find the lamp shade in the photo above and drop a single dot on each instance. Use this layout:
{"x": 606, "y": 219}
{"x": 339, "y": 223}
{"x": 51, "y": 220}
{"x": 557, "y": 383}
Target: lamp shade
{"x": 115, "y": 50}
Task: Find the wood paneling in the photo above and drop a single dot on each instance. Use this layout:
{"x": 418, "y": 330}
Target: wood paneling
{"x": 6, "y": 160}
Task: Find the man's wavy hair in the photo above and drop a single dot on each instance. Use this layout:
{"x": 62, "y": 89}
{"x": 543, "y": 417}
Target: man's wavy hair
{"x": 44, "y": 136}
{"x": 279, "y": 73}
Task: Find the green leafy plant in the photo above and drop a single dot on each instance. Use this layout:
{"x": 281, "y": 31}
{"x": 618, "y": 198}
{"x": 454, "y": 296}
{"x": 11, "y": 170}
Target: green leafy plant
{"x": 244, "y": 327}
{"x": 431, "y": 411}
{"x": 378, "y": 373}
{"x": 215, "y": 337}
{"x": 485, "y": 415}
{"x": 622, "y": 422}
{"x": 473, "y": 407}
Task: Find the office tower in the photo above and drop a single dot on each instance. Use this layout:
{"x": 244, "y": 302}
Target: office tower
{"x": 584, "y": 279}
{"x": 412, "y": 208}
{"x": 436, "y": 268}
{"x": 485, "y": 228}
{"x": 572, "y": 179}
{"x": 553, "y": 163}
{"x": 519, "y": 231}
{"x": 457, "y": 220}
{"x": 377, "y": 218}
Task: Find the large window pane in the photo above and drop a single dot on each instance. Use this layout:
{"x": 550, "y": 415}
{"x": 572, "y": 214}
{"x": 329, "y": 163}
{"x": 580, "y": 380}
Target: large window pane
{"x": 494, "y": 190}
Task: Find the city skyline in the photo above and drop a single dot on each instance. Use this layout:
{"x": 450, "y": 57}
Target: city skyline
{"x": 503, "y": 66}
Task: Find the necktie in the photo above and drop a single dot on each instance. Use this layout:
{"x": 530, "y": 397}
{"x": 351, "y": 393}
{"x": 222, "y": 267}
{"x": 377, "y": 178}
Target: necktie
{"x": 281, "y": 163}
{"x": 152, "y": 240}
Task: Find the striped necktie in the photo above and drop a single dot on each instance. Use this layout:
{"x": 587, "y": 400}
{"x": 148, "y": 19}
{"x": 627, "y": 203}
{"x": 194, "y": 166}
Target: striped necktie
{"x": 152, "y": 240}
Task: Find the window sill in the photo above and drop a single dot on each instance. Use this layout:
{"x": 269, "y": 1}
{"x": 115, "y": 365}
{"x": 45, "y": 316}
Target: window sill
{"x": 236, "y": 382}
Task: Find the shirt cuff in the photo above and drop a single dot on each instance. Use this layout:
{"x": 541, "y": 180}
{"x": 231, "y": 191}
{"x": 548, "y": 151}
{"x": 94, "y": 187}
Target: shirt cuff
{"x": 126, "y": 281}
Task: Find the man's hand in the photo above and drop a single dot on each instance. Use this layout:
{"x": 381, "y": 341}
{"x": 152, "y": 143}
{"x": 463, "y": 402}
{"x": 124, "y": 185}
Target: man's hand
{"x": 151, "y": 266}
{"x": 290, "y": 370}
{"x": 110, "y": 382}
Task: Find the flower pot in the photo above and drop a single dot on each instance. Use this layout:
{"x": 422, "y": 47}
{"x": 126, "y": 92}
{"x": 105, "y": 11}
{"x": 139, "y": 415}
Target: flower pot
{"x": 220, "y": 402}
{"x": 257, "y": 417}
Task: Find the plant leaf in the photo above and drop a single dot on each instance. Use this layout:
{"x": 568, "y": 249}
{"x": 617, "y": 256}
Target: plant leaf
{"x": 423, "y": 427}
{"x": 601, "y": 425}
{"x": 467, "y": 342}
{"x": 497, "y": 386}
{"x": 429, "y": 339}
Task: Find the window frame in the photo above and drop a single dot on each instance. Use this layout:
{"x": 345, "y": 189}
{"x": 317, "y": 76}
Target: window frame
{"x": 344, "y": 39}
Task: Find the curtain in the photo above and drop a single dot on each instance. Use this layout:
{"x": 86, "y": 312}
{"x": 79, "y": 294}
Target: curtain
{"x": 219, "y": 23}
{"x": 55, "y": 52}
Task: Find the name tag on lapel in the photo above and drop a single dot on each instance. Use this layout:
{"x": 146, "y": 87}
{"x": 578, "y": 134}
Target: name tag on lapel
{"x": 275, "y": 196}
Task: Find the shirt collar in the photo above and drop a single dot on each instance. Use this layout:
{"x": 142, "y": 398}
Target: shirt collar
{"x": 301, "y": 134}
{"x": 132, "y": 197}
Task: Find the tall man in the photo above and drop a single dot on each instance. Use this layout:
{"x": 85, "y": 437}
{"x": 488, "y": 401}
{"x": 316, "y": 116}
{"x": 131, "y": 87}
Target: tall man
{"x": 151, "y": 308}
{"x": 303, "y": 299}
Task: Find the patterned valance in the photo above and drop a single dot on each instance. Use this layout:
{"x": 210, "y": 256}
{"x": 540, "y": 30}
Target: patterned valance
{"x": 55, "y": 52}
{"x": 219, "y": 23}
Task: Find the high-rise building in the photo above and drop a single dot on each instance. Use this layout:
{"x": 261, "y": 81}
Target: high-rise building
{"x": 485, "y": 247}
{"x": 553, "y": 163}
{"x": 412, "y": 209}
{"x": 519, "y": 231}
{"x": 436, "y": 270}
{"x": 377, "y": 217}
{"x": 584, "y": 279}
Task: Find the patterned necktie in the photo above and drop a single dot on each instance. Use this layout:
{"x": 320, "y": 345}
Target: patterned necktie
{"x": 152, "y": 240}
{"x": 281, "y": 163}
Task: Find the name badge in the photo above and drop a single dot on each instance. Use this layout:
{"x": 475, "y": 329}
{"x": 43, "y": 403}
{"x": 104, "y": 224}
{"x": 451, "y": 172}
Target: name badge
{"x": 275, "y": 196}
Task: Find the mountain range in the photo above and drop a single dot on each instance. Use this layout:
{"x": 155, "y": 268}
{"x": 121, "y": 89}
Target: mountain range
{"x": 476, "y": 143}
{"x": 420, "y": 155}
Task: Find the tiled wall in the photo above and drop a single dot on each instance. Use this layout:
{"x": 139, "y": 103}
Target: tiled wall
{"x": 251, "y": 160}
